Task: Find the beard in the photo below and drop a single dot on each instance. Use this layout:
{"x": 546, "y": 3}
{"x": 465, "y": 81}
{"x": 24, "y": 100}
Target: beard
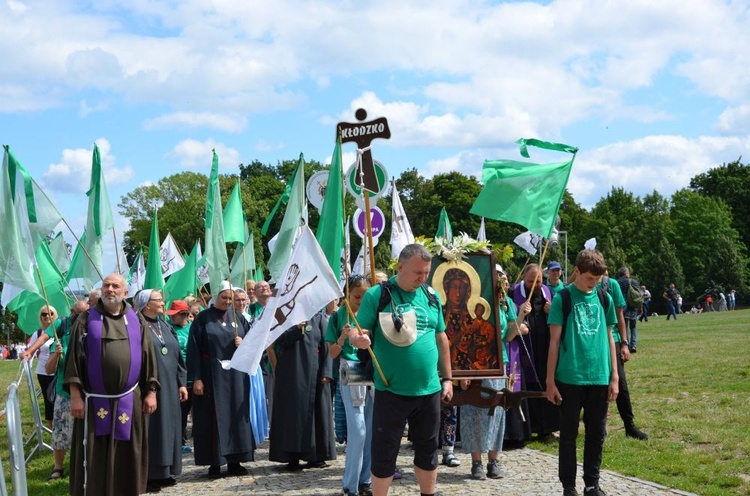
{"x": 112, "y": 300}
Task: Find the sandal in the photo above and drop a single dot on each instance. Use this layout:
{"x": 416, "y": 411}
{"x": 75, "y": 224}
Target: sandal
{"x": 58, "y": 473}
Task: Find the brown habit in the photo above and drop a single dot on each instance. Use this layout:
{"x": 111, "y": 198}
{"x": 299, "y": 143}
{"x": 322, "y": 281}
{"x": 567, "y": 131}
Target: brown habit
{"x": 116, "y": 468}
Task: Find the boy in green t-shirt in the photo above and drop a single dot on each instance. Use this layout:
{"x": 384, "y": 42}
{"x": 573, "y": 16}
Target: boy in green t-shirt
{"x": 582, "y": 369}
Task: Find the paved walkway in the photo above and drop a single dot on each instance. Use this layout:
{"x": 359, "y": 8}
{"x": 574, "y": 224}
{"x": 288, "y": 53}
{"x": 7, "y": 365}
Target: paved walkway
{"x": 531, "y": 472}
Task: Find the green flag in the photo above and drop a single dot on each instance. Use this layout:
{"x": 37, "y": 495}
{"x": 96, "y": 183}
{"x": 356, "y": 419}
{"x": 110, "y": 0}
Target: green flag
{"x": 59, "y": 251}
{"x": 216, "y": 249}
{"x": 76, "y": 262}
{"x": 154, "y": 277}
{"x": 98, "y": 223}
{"x": 259, "y": 274}
{"x": 444, "y": 227}
{"x": 183, "y": 282}
{"x": 525, "y": 193}
{"x": 33, "y": 205}
{"x": 330, "y": 232}
{"x": 243, "y": 262}
{"x": 16, "y": 244}
{"x": 283, "y": 199}
{"x": 293, "y": 219}
{"x": 234, "y": 218}
{"x": 49, "y": 282}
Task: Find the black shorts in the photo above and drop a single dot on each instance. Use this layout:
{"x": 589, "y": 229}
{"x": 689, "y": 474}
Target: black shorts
{"x": 390, "y": 413}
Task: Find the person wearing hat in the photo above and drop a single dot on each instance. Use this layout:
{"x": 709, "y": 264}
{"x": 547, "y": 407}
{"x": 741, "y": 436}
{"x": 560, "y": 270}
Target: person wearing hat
{"x": 554, "y": 283}
{"x": 222, "y": 434}
{"x": 179, "y": 316}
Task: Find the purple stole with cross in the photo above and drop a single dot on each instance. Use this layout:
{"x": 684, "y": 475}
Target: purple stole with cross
{"x": 102, "y": 406}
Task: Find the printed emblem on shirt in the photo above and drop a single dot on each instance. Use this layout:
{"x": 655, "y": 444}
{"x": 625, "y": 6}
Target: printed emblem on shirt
{"x": 422, "y": 319}
{"x": 587, "y": 317}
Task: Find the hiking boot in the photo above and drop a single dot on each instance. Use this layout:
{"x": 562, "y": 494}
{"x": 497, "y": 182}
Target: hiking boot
{"x": 450, "y": 460}
{"x": 494, "y": 471}
{"x": 477, "y": 471}
{"x": 570, "y": 491}
{"x": 365, "y": 490}
{"x": 594, "y": 491}
{"x": 635, "y": 433}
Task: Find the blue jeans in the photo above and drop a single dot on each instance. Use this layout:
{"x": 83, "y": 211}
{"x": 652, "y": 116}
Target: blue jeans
{"x": 631, "y": 327}
{"x": 358, "y": 439}
{"x": 671, "y": 310}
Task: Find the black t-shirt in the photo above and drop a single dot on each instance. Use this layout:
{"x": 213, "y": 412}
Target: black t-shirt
{"x": 672, "y": 294}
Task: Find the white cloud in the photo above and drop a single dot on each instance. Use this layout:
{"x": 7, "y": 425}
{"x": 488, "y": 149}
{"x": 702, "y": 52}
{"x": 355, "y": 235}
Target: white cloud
{"x": 84, "y": 109}
{"x": 194, "y": 155}
{"x": 734, "y": 121}
{"x": 265, "y": 146}
{"x": 222, "y": 122}
{"x": 73, "y": 173}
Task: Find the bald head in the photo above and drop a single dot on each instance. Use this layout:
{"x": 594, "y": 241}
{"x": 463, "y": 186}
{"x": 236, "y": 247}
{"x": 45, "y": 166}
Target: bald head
{"x": 114, "y": 291}
{"x": 79, "y": 307}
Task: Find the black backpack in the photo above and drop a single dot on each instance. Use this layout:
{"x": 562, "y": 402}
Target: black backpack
{"x": 601, "y": 292}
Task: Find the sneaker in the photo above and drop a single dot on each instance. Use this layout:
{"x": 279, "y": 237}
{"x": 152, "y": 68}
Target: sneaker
{"x": 365, "y": 490}
{"x": 397, "y": 474}
{"x": 477, "y": 471}
{"x": 635, "y": 433}
{"x": 186, "y": 449}
{"x": 570, "y": 491}
{"x": 494, "y": 471}
{"x": 633, "y": 349}
{"x": 450, "y": 460}
{"x": 594, "y": 491}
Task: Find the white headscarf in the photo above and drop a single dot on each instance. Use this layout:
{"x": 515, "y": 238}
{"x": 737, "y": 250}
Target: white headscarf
{"x": 141, "y": 299}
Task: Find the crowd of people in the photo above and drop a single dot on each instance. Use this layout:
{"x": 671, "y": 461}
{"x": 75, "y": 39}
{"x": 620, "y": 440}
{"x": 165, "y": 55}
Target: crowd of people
{"x": 130, "y": 371}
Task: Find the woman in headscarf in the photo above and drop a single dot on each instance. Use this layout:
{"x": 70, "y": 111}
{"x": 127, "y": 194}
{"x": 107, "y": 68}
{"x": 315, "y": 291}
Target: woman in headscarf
{"x": 222, "y": 433}
{"x": 481, "y": 432}
{"x": 164, "y": 431}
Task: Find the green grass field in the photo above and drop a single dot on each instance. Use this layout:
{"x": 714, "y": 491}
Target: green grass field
{"x": 690, "y": 389}
{"x": 690, "y": 386}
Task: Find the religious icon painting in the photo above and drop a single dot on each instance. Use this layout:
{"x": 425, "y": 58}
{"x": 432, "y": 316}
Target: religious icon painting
{"x": 468, "y": 292}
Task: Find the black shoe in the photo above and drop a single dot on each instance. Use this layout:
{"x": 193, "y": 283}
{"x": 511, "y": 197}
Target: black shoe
{"x": 214, "y": 471}
{"x": 153, "y": 487}
{"x": 293, "y": 466}
{"x": 570, "y": 491}
{"x": 633, "y": 349}
{"x": 315, "y": 465}
{"x": 594, "y": 491}
{"x": 365, "y": 490}
{"x": 236, "y": 469}
{"x": 168, "y": 482}
{"x": 635, "y": 433}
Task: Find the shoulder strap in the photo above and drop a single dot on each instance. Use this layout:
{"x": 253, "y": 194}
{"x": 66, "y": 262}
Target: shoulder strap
{"x": 602, "y": 293}
{"x": 431, "y": 295}
{"x": 566, "y": 307}
{"x": 385, "y": 295}
{"x": 605, "y": 283}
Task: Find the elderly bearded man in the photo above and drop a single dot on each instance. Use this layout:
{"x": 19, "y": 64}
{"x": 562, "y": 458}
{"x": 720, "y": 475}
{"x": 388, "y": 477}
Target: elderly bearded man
{"x": 410, "y": 351}
{"x": 111, "y": 375}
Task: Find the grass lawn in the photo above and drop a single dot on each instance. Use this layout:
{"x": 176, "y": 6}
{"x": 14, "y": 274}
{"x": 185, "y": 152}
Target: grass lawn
{"x": 690, "y": 389}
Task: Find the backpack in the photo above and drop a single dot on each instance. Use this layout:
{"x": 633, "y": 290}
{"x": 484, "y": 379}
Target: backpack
{"x": 634, "y": 295}
{"x": 567, "y": 304}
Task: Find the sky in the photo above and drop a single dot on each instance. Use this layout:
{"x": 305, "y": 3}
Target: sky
{"x": 652, "y": 93}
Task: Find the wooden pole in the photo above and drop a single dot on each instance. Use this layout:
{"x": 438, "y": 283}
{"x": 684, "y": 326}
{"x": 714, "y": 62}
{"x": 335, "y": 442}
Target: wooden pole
{"x": 83, "y": 247}
{"x": 46, "y": 300}
{"x": 368, "y": 229}
{"x": 117, "y": 253}
{"x": 369, "y": 349}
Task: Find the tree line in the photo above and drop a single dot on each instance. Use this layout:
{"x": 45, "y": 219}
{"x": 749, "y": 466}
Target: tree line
{"x": 698, "y": 238}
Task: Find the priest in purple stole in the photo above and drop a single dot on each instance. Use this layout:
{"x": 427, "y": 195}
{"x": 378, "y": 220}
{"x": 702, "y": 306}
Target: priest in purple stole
{"x": 112, "y": 377}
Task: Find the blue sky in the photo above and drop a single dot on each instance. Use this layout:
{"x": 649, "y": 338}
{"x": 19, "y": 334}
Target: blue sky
{"x": 651, "y": 92}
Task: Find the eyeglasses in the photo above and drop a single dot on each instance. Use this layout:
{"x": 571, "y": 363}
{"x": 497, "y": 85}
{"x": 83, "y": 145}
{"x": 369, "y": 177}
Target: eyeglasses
{"x": 194, "y": 314}
{"x": 183, "y": 314}
{"x": 156, "y": 299}
{"x": 45, "y": 314}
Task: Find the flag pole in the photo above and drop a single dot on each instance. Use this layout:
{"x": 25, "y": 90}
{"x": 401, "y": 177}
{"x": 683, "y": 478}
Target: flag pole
{"x": 368, "y": 228}
{"x": 46, "y": 301}
{"x": 117, "y": 253}
{"x": 369, "y": 349}
{"x": 85, "y": 251}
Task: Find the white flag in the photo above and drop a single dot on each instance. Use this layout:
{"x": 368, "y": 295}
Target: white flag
{"x": 401, "y": 234}
{"x": 306, "y": 285}
{"x": 590, "y": 244}
{"x": 121, "y": 263}
{"x": 529, "y": 242}
{"x": 171, "y": 260}
{"x": 481, "y": 235}
{"x": 202, "y": 269}
{"x": 138, "y": 277}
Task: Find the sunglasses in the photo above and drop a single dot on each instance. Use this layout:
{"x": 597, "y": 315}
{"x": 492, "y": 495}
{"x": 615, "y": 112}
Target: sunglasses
{"x": 183, "y": 314}
{"x": 45, "y": 314}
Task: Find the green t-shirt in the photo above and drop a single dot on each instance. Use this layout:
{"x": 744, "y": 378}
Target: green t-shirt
{"x": 410, "y": 370}
{"x": 255, "y": 309}
{"x": 509, "y": 315}
{"x": 335, "y": 324}
{"x": 615, "y": 292}
{"x": 183, "y": 333}
{"x": 64, "y": 336}
{"x": 557, "y": 287}
{"x": 584, "y": 357}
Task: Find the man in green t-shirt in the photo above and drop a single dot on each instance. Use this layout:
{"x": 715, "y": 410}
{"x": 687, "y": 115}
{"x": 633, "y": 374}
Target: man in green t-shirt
{"x": 554, "y": 271}
{"x": 408, "y": 339}
{"x": 582, "y": 370}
